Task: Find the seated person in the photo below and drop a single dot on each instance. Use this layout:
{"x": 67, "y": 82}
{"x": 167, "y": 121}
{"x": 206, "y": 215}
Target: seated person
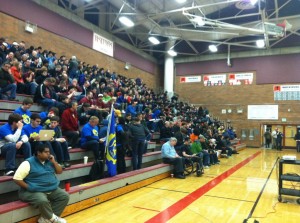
{"x": 213, "y": 158}
{"x": 59, "y": 144}
{"x": 44, "y": 94}
{"x": 90, "y": 138}
{"x": 13, "y": 140}
{"x": 40, "y": 186}
{"x": 187, "y": 153}
{"x": 45, "y": 116}
{"x": 7, "y": 82}
{"x": 32, "y": 131}
{"x": 170, "y": 156}
{"x": 166, "y": 132}
{"x": 24, "y": 110}
{"x": 70, "y": 126}
{"x": 197, "y": 149}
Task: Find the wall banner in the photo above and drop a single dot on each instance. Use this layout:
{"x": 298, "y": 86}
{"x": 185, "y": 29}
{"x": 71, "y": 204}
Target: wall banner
{"x": 103, "y": 45}
{"x": 191, "y": 79}
{"x": 286, "y": 92}
{"x": 240, "y": 78}
{"x": 214, "y": 80}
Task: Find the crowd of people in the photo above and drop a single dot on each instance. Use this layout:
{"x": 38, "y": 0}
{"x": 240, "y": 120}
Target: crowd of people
{"x": 78, "y": 98}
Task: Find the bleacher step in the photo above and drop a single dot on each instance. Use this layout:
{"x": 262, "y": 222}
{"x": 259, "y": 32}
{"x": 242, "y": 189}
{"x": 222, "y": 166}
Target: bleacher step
{"x": 89, "y": 194}
{"x": 77, "y": 170}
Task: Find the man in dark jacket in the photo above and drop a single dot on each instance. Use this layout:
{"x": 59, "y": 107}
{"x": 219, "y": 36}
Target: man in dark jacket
{"x": 138, "y": 133}
{"x": 7, "y": 82}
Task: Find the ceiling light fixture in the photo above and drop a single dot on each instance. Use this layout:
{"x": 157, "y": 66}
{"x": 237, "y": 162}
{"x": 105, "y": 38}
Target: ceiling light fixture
{"x": 126, "y": 21}
{"x": 198, "y": 20}
{"x": 213, "y": 48}
{"x": 172, "y": 53}
{"x": 181, "y": 1}
{"x": 153, "y": 40}
{"x": 260, "y": 43}
{"x": 253, "y": 2}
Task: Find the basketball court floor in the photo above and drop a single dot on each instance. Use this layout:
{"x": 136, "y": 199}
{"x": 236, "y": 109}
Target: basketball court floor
{"x": 241, "y": 189}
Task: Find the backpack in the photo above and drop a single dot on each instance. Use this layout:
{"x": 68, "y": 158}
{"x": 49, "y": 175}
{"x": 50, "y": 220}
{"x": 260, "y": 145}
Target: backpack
{"x": 96, "y": 171}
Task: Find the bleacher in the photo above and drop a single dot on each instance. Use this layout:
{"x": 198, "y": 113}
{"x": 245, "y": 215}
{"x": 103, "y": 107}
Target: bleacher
{"x": 83, "y": 194}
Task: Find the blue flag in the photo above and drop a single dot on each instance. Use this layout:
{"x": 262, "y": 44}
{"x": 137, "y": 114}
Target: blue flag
{"x": 111, "y": 159}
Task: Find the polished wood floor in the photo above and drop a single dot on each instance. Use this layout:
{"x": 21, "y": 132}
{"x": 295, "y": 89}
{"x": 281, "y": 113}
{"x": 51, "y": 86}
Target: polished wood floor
{"x": 242, "y": 187}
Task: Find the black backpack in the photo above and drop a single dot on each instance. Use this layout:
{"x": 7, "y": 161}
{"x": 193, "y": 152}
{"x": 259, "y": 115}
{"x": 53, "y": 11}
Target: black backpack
{"x": 96, "y": 171}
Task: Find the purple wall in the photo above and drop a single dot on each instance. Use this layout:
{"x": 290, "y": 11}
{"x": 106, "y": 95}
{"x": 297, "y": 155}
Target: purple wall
{"x": 269, "y": 70}
{"x": 48, "y": 20}
{"x": 123, "y": 54}
{"x": 29, "y": 11}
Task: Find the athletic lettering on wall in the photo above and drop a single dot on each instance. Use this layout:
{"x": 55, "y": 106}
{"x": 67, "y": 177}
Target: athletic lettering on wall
{"x": 286, "y": 92}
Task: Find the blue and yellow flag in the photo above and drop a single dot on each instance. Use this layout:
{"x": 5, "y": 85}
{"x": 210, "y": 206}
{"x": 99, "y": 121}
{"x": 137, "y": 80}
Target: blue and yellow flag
{"x": 111, "y": 158}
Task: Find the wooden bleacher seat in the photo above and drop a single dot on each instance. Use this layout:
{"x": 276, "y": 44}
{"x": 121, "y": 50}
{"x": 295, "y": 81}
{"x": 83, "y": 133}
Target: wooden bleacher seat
{"x": 76, "y": 170}
{"x": 89, "y": 194}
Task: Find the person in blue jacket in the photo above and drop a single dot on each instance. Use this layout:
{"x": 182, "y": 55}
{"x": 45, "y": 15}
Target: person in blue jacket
{"x": 24, "y": 110}
{"x": 13, "y": 140}
{"x": 90, "y": 137}
{"x": 32, "y": 131}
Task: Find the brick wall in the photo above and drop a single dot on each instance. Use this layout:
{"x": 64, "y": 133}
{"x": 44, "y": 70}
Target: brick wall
{"x": 231, "y": 97}
{"x": 14, "y": 30}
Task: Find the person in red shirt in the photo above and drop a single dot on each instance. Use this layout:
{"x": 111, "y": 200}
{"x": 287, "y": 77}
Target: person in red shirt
{"x": 16, "y": 73}
{"x": 69, "y": 125}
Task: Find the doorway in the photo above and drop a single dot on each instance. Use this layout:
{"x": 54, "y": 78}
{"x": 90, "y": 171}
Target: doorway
{"x": 288, "y": 131}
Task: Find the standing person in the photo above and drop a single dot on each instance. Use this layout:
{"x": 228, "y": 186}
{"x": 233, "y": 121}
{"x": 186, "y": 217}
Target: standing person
{"x": 268, "y": 138}
{"x": 279, "y": 140}
{"x": 170, "y": 156}
{"x": 70, "y": 126}
{"x": 297, "y": 138}
{"x": 138, "y": 134}
{"x": 274, "y": 138}
{"x": 13, "y": 140}
{"x": 122, "y": 141}
{"x": 40, "y": 186}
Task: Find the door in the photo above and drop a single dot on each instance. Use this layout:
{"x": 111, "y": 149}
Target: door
{"x": 289, "y": 134}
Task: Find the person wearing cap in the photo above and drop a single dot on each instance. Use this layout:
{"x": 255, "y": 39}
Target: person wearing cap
{"x": 7, "y": 82}
{"x": 14, "y": 47}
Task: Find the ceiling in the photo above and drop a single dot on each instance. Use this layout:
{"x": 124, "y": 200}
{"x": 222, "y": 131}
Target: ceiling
{"x": 233, "y": 25}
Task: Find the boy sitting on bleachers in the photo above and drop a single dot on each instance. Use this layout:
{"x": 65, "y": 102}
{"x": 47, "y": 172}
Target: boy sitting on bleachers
{"x": 13, "y": 140}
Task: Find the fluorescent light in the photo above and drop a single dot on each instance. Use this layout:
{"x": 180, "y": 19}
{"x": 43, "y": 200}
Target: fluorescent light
{"x": 181, "y": 1}
{"x": 126, "y": 21}
{"x": 213, "y": 48}
{"x": 260, "y": 43}
{"x": 253, "y": 2}
{"x": 153, "y": 40}
{"x": 199, "y": 20}
{"x": 172, "y": 53}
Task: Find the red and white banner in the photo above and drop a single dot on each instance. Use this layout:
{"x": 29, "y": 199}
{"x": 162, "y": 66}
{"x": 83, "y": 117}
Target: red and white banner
{"x": 103, "y": 45}
{"x": 240, "y": 78}
{"x": 214, "y": 80}
{"x": 191, "y": 79}
{"x": 286, "y": 88}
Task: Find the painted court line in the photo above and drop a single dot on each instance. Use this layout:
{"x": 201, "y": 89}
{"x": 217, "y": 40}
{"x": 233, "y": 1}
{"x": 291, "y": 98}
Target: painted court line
{"x": 174, "y": 209}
